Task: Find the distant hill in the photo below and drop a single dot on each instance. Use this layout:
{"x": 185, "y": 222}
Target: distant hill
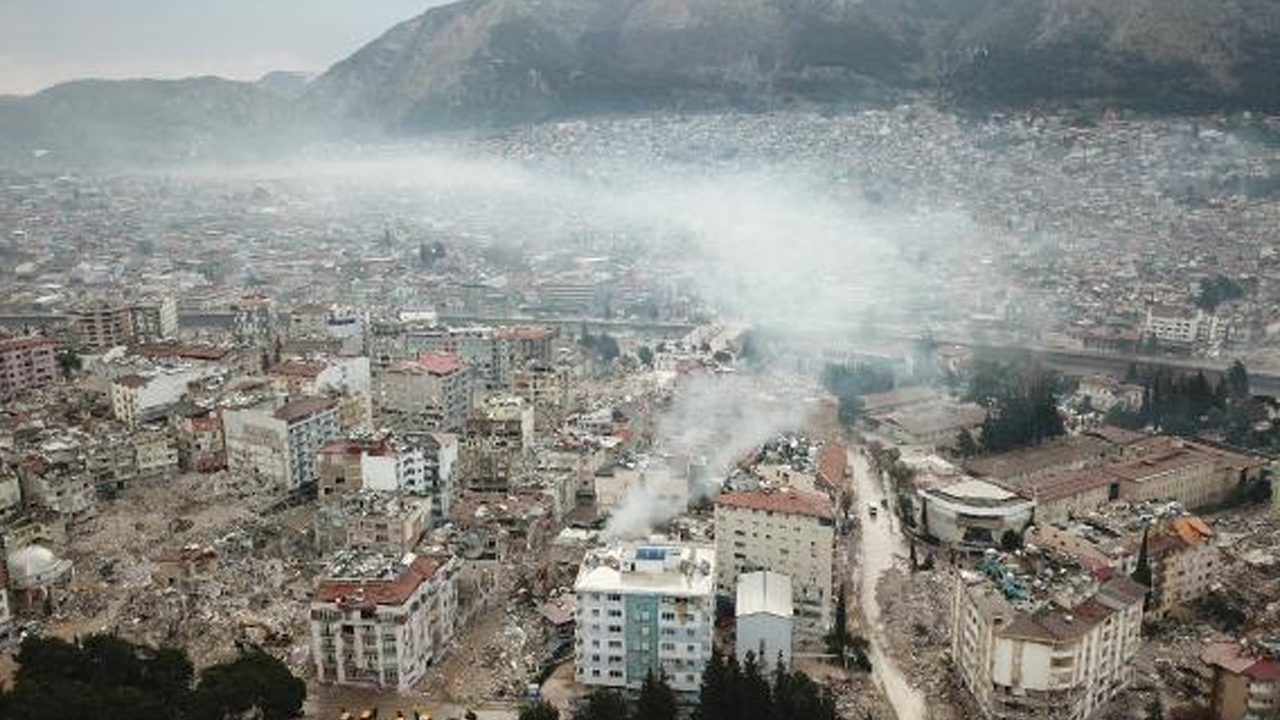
{"x": 501, "y": 61}
{"x": 139, "y": 121}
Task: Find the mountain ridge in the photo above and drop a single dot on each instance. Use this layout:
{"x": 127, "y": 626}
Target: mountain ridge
{"x": 493, "y": 62}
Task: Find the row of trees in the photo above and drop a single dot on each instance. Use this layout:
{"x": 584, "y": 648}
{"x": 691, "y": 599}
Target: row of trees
{"x": 1189, "y": 404}
{"x": 730, "y": 691}
{"x": 108, "y": 678}
{"x": 604, "y": 345}
{"x": 850, "y": 382}
{"x": 1022, "y": 407}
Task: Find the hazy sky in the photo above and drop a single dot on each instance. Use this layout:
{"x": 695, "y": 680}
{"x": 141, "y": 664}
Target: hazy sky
{"x": 43, "y": 42}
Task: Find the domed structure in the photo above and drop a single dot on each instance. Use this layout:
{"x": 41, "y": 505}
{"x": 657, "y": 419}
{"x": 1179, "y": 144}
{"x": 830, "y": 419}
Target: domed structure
{"x": 34, "y": 567}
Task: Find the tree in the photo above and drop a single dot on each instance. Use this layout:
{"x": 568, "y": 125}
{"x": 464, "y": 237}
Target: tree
{"x": 1237, "y": 381}
{"x": 657, "y": 700}
{"x": 540, "y": 710}
{"x": 966, "y": 446}
{"x": 69, "y": 362}
{"x": 602, "y": 705}
{"x": 715, "y": 697}
{"x": 254, "y": 681}
{"x": 645, "y": 354}
{"x": 838, "y": 638}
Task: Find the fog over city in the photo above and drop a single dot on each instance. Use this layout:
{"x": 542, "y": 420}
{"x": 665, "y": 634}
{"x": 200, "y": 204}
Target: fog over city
{"x": 639, "y": 359}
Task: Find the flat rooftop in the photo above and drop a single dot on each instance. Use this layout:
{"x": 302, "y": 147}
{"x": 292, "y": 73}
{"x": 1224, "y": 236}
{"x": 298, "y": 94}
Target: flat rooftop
{"x": 649, "y": 569}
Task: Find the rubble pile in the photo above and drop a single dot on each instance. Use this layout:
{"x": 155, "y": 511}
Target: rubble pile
{"x": 494, "y": 659}
{"x": 263, "y": 573}
{"x": 915, "y": 608}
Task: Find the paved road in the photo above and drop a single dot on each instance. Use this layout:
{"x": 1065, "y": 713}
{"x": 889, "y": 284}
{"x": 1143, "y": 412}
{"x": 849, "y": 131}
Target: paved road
{"x": 881, "y": 546}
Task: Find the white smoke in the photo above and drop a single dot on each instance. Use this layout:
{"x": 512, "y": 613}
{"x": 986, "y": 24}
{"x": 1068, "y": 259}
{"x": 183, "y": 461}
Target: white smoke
{"x": 716, "y": 420}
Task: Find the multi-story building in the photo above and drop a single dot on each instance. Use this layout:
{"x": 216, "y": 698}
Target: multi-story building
{"x": 1184, "y": 564}
{"x": 1045, "y": 649}
{"x": 1184, "y": 327}
{"x": 1192, "y": 473}
{"x": 105, "y": 324}
{"x": 439, "y": 470}
{"x": 432, "y": 392}
{"x": 63, "y": 489}
{"x": 279, "y": 445}
{"x": 497, "y": 443}
{"x": 346, "y": 379}
{"x": 382, "y": 620}
{"x": 155, "y": 453}
{"x": 373, "y": 520}
{"x": 646, "y": 608}
{"x": 1244, "y": 681}
{"x": 26, "y": 363}
{"x": 783, "y": 531}
{"x": 111, "y": 461}
{"x": 369, "y": 462}
{"x": 139, "y": 398}
{"x": 201, "y": 446}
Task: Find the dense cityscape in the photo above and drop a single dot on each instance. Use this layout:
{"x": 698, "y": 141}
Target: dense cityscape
{"x": 888, "y": 413}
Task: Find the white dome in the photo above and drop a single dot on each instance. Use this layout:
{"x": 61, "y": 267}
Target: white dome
{"x": 33, "y": 566}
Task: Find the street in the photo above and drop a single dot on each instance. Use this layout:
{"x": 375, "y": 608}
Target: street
{"x": 881, "y": 545}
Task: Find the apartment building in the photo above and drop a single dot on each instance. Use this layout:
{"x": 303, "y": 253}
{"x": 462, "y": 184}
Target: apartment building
{"x": 279, "y": 445}
{"x": 155, "y": 453}
{"x": 201, "y": 445}
{"x": 644, "y": 608}
{"x": 139, "y": 398}
{"x": 346, "y": 379}
{"x": 382, "y": 620}
{"x": 64, "y": 489}
{"x": 376, "y": 462}
{"x": 1244, "y": 680}
{"x": 1175, "y": 325}
{"x": 372, "y": 520}
{"x": 432, "y": 391}
{"x": 496, "y": 445}
{"x": 1026, "y": 651}
{"x": 783, "y": 531}
{"x": 1184, "y": 564}
{"x": 105, "y": 324}
{"x": 27, "y": 363}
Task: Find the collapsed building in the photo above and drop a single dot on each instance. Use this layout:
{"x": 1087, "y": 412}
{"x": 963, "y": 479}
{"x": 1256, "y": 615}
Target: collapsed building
{"x": 1035, "y": 637}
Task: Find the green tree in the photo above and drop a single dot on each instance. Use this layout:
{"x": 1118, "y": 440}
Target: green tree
{"x": 1237, "y": 381}
{"x": 645, "y": 354}
{"x": 657, "y": 700}
{"x": 540, "y": 710}
{"x": 716, "y": 690}
{"x": 966, "y": 446}
{"x": 254, "y": 681}
{"x": 68, "y": 362}
{"x": 603, "y": 705}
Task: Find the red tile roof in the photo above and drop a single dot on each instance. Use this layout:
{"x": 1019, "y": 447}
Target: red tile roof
{"x": 132, "y": 381}
{"x": 296, "y": 368}
{"x": 786, "y": 500}
{"x": 832, "y": 464}
{"x": 371, "y": 592}
{"x": 438, "y": 363}
{"x": 190, "y": 352}
{"x": 304, "y": 407}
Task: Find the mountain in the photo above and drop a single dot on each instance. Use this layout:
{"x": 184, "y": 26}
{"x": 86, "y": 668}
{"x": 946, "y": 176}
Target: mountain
{"x": 88, "y": 122}
{"x": 501, "y": 61}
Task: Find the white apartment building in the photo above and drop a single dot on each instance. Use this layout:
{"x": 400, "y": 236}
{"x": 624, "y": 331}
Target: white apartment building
{"x": 783, "y": 531}
{"x": 432, "y": 391}
{"x": 138, "y": 398}
{"x": 347, "y": 378}
{"x": 1184, "y": 327}
{"x": 281, "y": 445}
{"x": 645, "y": 608}
{"x": 383, "y": 620}
{"x": 1062, "y": 657}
